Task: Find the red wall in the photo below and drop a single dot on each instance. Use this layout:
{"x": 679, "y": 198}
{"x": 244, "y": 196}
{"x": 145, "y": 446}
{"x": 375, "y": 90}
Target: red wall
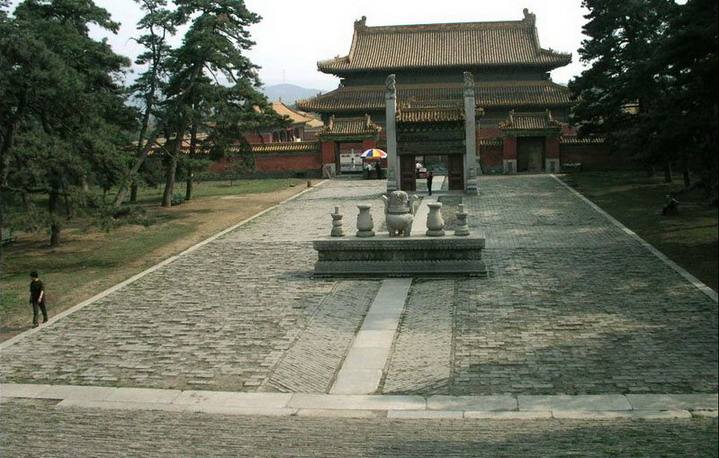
{"x": 298, "y": 161}
{"x": 269, "y": 162}
{"x": 551, "y": 147}
{"x": 491, "y": 157}
{"x": 490, "y": 132}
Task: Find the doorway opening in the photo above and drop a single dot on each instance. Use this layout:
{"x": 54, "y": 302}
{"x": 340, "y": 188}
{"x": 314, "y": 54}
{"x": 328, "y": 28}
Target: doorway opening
{"x": 444, "y": 167}
{"x": 530, "y": 154}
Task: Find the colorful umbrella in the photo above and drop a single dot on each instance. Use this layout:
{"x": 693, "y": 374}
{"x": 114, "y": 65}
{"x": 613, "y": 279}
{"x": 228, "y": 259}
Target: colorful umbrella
{"x": 373, "y": 153}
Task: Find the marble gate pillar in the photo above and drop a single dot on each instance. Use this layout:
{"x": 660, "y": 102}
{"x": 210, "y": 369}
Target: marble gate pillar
{"x": 390, "y": 99}
{"x": 470, "y": 136}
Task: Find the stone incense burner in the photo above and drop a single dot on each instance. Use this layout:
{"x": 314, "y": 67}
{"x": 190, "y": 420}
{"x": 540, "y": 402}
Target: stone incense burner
{"x": 399, "y": 211}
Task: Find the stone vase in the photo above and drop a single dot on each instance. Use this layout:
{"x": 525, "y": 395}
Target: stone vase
{"x": 435, "y": 222}
{"x": 462, "y": 227}
{"x": 337, "y": 229}
{"x": 365, "y": 225}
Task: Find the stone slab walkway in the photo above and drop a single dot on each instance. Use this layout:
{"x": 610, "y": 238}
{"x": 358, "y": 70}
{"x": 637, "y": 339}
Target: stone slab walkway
{"x": 498, "y": 407}
{"x": 363, "y": 367}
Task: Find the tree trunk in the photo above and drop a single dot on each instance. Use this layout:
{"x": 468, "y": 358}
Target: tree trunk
{"x": 685, "y": 170}
{"x": 667, "y": 170}
{"x": 188, "y": 190}
{"x": 142, "y": 148}
{"x": 190, "y": 168}
{"x": 69, "y": 213}
{"x": 650, "y": 171}
{"x": 133, "y": 191}
{"x": 141, "y": 156}
{"x": 180, "y": 135}
{"x": 170, "y": 179}
{"x": 54, "y": 220}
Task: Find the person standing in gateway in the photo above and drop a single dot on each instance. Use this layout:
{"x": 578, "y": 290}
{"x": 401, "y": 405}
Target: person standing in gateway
{"x": 37, "y": 298}
{"x": 429, "y": 177}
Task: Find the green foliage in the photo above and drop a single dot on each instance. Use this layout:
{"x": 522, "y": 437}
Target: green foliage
{"x": 213, "y": 88}
{"x": 652, "y": 86}
{"x": 63, "y": 121}
{"x": 177, "y": 198}
{"x": 109, "y": 218}
{"x": 687, "y": 54}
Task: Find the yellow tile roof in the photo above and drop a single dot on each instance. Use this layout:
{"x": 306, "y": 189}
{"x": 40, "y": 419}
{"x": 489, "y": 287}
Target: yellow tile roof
{"x": 350, "y": 126}
{"x": 430, "y": 114}
{"x": 487, "y": 95}
{"x": 469, "y": 44}
{"x": 284, "y": 147}
{"x": 572, "y": 140}
{"x": 297, "y": 117}
{"x": 530, "y": 121}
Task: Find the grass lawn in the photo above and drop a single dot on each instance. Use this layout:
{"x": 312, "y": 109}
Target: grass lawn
{"x": 88, "y": 261}
{"x": 688, "y": 238}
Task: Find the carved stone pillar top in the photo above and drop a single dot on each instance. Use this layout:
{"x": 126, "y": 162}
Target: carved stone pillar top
{"x": 468, "y": 84}
{"x": 391, "y": 90}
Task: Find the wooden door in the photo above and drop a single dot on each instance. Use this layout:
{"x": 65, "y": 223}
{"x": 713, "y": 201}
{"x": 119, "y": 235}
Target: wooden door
{"x": 455, "y": 172}
{"x": 407, "y": 173}
{"x": 530, "y": 154}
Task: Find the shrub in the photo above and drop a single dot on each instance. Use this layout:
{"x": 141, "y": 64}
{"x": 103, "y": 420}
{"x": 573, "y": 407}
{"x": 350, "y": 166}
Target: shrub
{"x": 177, "y": 198}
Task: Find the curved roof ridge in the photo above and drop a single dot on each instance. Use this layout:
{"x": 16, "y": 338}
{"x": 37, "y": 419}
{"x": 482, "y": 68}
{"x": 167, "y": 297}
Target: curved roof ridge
{"x": 440, "y": 26}
{"x": 361, "y": 25}
{"x": 448, "y": 45}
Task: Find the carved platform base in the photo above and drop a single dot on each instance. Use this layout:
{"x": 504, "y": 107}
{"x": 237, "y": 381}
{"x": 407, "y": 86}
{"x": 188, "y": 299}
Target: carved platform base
{"x": 400, "y": 257}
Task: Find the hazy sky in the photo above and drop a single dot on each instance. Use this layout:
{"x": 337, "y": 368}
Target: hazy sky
{"x": 294, "y": 35}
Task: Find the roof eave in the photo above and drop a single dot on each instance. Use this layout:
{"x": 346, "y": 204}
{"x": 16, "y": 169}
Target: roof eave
{"x": 340, "y": 72}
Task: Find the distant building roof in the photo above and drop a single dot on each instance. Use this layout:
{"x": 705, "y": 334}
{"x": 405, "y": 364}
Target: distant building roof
{"x": 355, "y": 126}
{"x": 430, "y": 114}
{"x": 465, "y": 45}
{"x": 530, "y": 121}
{"x": 573, "y": 140}
{"x": 487, "y": 95}
{"x": 284, "y": 147}
{"x": 297, "y": 117}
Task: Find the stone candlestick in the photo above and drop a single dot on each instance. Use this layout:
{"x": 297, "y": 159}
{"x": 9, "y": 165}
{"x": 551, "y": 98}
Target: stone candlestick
{"x": 435, "y": 223}
{"x": 462, "y": 228}
{"x": 337, "y": 229}
{"x": 365, "y": 225}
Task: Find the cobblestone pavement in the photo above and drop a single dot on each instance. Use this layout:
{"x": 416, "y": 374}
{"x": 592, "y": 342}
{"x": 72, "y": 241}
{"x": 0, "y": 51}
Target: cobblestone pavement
{"x": 572, "y": 305}
{"x": 220, "y": 317}
{"x": 34, "y": 428}
{"x": 310, "y": 365}
{"x": 423, "y": 348}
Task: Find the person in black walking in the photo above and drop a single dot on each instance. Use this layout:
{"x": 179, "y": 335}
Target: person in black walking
{"x": 37, "y": 298}
{"x": 378, "y": 167}
{"x": 428, "y": 175}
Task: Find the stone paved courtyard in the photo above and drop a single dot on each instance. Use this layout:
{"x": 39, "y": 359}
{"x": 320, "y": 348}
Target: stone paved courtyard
{"x": 38, "y": 428}
{"x": 572, "y": 305}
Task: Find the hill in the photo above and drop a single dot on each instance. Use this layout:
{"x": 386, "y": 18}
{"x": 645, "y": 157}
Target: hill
{"x": 289, "y": 93}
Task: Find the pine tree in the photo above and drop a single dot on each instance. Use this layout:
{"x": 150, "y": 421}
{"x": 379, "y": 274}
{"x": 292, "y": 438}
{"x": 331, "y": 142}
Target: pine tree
{"x": 617, "y": 96}
{"x": 158, "y": 25}
{"x": 63, "y": 118}
{"x": 687, "y": 56}
{"x": 211, "y": 80}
